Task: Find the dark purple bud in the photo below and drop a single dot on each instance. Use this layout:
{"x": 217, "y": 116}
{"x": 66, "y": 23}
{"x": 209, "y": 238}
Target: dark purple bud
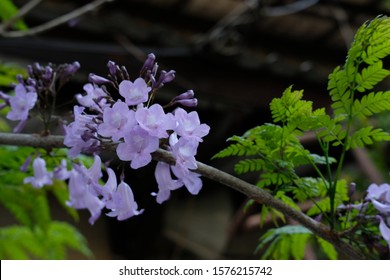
{"x": 165, "y": 77}
{"x": 189, "y": 94}
{"x": 193, "y": 102}
{"x": 26, "y": 164}
{"x": 112, "y": 68}
{"x": 48, "y": 73}
{"x": 20, "y": 79}
{"x": 30, "y": 71}
{"x": 148, "y": 62}
{"x": 318, "y": 218}
{"x": 99, "y": 80}
{"x": 72, "y": 68}
{"x": 37, "y": 67}
{"x": 351, "y": 189}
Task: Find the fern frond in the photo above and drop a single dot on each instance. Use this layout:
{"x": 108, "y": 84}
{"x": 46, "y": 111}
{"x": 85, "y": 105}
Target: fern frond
{"x": 242, "y": 147}
{"x": 371, "y": 76}
{"x": 338, "y": 87}
{"x": 249, "y": 165}
{"x": 371, "y": 103}
{"x": 367, "y": 136}
{"x": 378, "y": 40}
{"x": 284, "y": 243}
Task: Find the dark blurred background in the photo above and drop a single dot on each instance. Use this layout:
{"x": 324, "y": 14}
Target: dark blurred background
{"x": 236, "y": 55}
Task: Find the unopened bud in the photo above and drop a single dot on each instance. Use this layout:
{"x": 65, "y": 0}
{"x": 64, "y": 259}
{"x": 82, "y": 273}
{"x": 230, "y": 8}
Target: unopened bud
{"x": 189, "y": 94}
{"x": 193, "y": 102}
{"x": 148, "y": 62}
{"x": 99, "y": 80}
{"x": 112, "y": 68}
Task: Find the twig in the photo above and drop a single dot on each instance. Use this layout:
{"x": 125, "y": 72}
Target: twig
{"x": 57, "y": 21}
{"x": 251, "y": 191}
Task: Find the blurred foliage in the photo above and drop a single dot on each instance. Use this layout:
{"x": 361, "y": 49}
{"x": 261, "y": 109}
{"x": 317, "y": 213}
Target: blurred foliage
{"x": 7, "y": 11}
{"x": 36, "y": 235}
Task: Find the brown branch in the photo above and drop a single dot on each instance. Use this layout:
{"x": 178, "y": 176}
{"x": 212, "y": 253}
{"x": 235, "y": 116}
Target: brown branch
{"x": 57, "y": 21}
{"x": 259, "y": 195}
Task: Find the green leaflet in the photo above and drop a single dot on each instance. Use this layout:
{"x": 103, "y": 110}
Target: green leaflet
{"x": 7, "y": 11}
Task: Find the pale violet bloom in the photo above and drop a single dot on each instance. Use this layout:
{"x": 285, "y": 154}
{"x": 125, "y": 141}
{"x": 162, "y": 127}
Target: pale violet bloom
{"x": 184, "y": 151}
{"x": 93, "y": 99}
{"x": 137, "y": 147}
{"x": 384, "y": 229}
{"x": 189, "y": 126}
{"x": 116, "y": 121}
{"x": 136, "y": 92}
{"x": 155, "y": 121}
{"x": 165, "y": 182}
{"x": 109, "y": 188}
{"x": 41, "y": 176}
{"x": 122, "y": 204}
{"x": 21, "y": 103}
{"x": 82, "y": 195}
{"x": 61, "y": 172}
{"x": 379, "y": 195}
{"x": 190, "y": 179}
{"x": 80, "y": 135}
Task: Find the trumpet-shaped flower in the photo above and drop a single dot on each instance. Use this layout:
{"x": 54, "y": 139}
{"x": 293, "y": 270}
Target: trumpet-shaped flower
{"x": 155, "y": 121}
{"x": 137, "y": 147}
{"x": 41, "y": 176}
{"x": 136, "y": 92}
{"x": 189, "y": 126}
{"x": 116, "y": 121}
{"x": 21, "y": 103}
{"x": 82, "y": 196}
{"x": 122, "y": 204}
{"x": 165, "y": 182}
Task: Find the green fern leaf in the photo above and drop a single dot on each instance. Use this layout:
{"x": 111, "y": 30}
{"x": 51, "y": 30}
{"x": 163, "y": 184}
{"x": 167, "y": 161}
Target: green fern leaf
{"x": 327, "y": 248}
{"x": 371, "y": 76}
{"x": 367, "y": 136}
{"x": 338, "y": 86}
{"x": 371, "y": 103}
{"x": 284, "y": 243}
{"x": 249, "y": 165}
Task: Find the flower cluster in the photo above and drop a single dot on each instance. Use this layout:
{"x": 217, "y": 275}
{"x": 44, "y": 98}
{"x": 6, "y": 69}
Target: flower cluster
{"x": 120, "y": 111}
{"x": 38, "y": 90}
{"x": 85, "y": 192}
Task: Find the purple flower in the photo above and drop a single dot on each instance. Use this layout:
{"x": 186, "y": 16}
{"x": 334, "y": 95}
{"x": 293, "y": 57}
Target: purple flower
{"x": 116, "y": 121}
{"x": 134, "y": 93}
{"x": 80, "y": 135}
{"x": 137, "y": 147}
{"x": 122, "y": 204}
{"x": 61, "y": 172}
{"x": 81, "y": 196}
{"x": 165, "y": 182}
{"x": 41, "y": 176}
{"x": 155, "y": 121}
{"x": 379, "y": 197}
{"x": 21, "y": 103}
{"x": 384, "y": 229}
{"x": 190, "y": 179}
{"x": 94, "y": 98}
{"x": 184, "y": 151}
{"x": 188, "y": 125}
{"x": 109, "y": 188}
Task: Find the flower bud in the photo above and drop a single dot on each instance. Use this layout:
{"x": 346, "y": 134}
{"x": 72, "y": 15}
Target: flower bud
{"x": 148, "y": 62}
{"x": 112, "y": 68}
{"x": 193, "y": 102}
{"x": 99, "y": 80}
{"x": 189, "y": 94}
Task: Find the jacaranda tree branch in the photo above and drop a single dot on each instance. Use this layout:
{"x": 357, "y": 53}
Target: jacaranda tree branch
{"x": 251, "y": 191}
